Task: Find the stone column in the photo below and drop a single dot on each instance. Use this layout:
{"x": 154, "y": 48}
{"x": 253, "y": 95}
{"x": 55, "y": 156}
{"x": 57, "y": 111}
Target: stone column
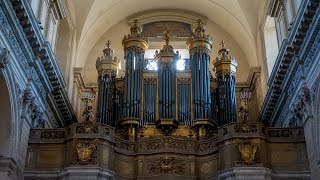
{"x": 134, "y": 47}
{"x": 200, "y": 48}
{"x": 226, "y": 79}
{"x": 107, "y": 71}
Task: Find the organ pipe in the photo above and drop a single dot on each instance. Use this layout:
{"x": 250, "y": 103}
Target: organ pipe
{"x": 225, "y": 72}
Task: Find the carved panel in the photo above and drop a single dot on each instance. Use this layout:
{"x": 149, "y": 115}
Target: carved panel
{"x": 85, "y": 151}
{"x": 165, "y": 144}
{"x": 166, "y": 165}
{"x": 279, "y": 133}
{"x": 245, "y": 128}
{"x": 88, "y": 128}
{"x": 53, "y": 134}
{"x": 125, "y": 145}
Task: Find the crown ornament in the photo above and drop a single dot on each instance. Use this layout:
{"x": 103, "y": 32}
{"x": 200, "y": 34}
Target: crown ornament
{"x": 107, "y": 61}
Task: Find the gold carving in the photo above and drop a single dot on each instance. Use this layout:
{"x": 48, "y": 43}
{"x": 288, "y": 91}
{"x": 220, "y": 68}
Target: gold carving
{"x": 167, "y": 165}
{"x": 247, "y": 151}
{"x": 201, "y": 41}
{"x": 84, "y": 151}
{"x": 205, "y": 168}
{"x": 135, "y": 38}
{"x": 225, "y": 63}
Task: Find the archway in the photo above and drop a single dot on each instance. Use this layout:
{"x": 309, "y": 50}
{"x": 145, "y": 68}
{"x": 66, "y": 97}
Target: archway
{"x": 5, "y": 119}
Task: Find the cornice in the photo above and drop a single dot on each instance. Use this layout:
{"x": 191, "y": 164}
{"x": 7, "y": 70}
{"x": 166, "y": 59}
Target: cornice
{"x": 275, "y": 7}
{"x": 47, "y": 68}
{"x": 292, "y": 52}
{"x": 254, "y": 74}
{"x": 58, "y": 8}
{"x": 81, "y": 82}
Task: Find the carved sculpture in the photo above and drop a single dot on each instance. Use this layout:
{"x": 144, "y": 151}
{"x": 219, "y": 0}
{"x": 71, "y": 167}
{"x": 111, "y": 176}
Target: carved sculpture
{"x": 247, "y": 152}
{"x": 167, "y": 165}
{"x": 88, "y": 114}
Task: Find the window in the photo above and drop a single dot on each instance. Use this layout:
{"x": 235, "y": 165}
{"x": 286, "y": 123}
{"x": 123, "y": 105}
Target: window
{"x": 151, "y": 65}
{"x": 181, "y": 65}
{"x": 271, "y": 43}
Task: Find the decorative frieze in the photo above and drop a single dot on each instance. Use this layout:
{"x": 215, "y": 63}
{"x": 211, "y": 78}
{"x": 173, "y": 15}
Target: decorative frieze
{"x": 87, "y": 128}
{"x": 52, "y": 134}
{"x": 299, "y": 43}
{"x": 245, "y": 128}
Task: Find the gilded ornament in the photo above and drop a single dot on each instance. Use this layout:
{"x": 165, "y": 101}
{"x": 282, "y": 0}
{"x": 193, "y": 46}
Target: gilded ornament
{"x": 85, "y": 151}
{"x": 205, "y": 168}
{"x": 248, "y": 152}
{"x": 201, "y": 41}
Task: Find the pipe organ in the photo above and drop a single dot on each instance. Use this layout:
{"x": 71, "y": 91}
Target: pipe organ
{"x": 166, "y": 99}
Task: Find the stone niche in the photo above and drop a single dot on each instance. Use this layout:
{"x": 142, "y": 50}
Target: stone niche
{"x": 235, "y": 151}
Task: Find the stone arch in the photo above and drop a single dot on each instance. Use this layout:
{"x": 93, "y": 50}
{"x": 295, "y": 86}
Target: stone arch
{"x": 6, "y": 118}
{"x": 9, "y": 114}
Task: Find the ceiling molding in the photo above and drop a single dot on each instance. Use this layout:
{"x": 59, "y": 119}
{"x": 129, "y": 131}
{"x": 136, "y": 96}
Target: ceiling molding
{"x": 254, "y": 74}
{"x": 167, "y": 15}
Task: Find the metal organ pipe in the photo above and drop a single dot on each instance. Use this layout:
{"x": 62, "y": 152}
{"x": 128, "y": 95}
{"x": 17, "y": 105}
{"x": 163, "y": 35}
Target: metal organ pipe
{"x": 107, "y": 69}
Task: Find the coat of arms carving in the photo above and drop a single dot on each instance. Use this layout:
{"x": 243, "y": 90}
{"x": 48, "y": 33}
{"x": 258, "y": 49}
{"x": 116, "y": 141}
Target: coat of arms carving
{"x": 84, "y": 152}
{"x": 247, "y": 152}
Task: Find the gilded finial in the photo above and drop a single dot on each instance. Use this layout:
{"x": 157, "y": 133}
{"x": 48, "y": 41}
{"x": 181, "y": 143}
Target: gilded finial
{"x": 223, "y": 52}
{"x": 135, "y": 29}
{"x": 108, "y": 51}
{"x": 107, "y": 61}
{"x": 222, "y": 44}
{"x": 199, "y": 30}
{"x": 166, "y": 37}
{"x": 199, "y": 22}
{"x": 108, "y": 44}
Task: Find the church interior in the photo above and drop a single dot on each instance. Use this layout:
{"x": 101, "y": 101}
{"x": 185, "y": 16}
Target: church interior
{"x": 147, "y": 89}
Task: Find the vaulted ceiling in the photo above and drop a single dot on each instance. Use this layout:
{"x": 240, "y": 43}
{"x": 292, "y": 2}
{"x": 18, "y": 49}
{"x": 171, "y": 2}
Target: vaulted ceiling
{"x": 240, "y": 19}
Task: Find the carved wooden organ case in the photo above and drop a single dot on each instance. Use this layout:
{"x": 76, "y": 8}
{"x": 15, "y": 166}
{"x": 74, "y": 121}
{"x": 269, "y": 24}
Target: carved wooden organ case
{"x": 166, "y": 99}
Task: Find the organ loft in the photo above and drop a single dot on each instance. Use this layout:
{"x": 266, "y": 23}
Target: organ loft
{"x": 166, "y": 122}
{"x": 159, "y": 90}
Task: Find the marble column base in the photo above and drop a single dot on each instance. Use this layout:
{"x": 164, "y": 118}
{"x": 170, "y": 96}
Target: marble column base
{"x": 72, "y": 173}
{"x": 79, "y": 173}
{"x": 245, "y": 173}
{"x": 8, "y": 169}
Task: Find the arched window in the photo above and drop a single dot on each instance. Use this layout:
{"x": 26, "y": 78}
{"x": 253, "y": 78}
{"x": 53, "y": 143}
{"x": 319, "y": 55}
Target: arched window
{"x": 271, "y": 43}
{"x": 181, "y": 65}
{"x": 63, "y": 47}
